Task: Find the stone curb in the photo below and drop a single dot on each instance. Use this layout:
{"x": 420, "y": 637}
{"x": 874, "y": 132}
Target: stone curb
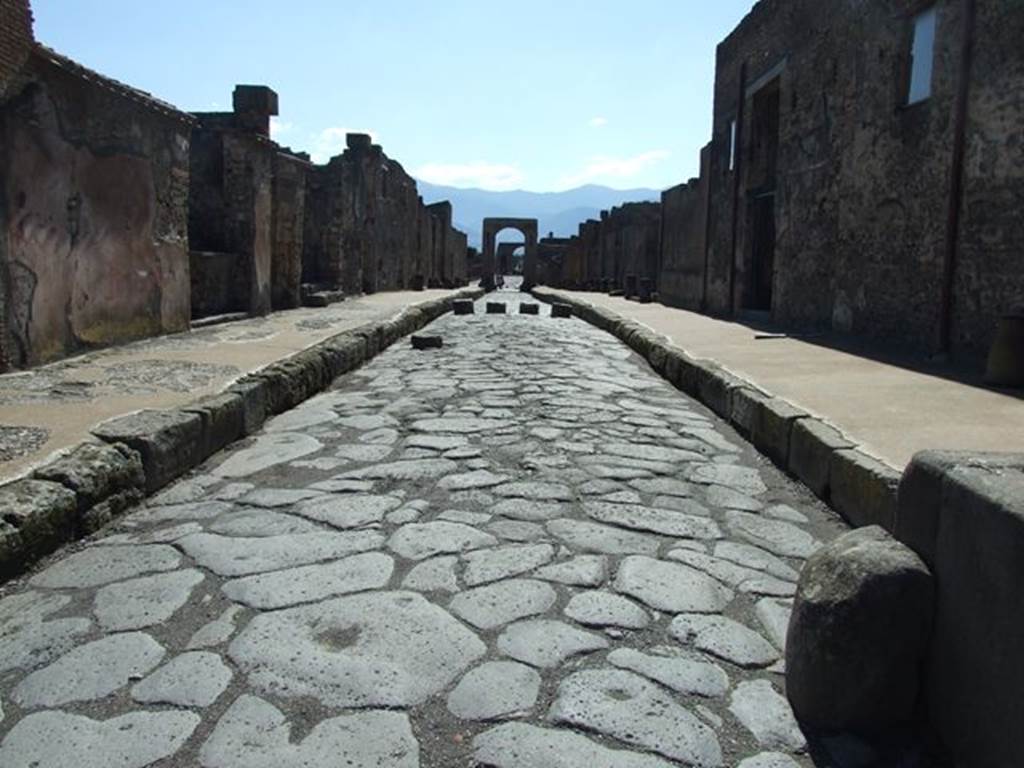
{"x": 858, "y": 486}
{"x": 132, "y": 456}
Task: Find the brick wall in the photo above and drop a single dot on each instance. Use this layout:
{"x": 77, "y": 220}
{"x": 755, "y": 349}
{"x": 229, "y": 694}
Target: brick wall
{"x": 15, "y": 41}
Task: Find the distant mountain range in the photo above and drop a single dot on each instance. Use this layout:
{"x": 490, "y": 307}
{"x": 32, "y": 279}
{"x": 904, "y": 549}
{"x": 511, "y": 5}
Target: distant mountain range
{"x": 557, "y": 212}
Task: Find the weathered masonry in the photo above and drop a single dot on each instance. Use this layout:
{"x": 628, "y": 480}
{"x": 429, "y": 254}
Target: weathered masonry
{"x": 865, "y": 175}
{"x": 123, "y": 217}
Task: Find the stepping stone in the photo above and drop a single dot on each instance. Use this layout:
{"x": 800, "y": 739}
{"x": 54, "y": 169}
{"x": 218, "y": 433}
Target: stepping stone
{"x": 520, "y": 745}
{"x": 434, "y": 575}
{"x": 308, "y": 583}
{"x": 495, "y": 690}
{"x": 495, "y": 308}
{"x": 487, "y": 565}
{"x": 725, "y": 638}
{"x": 145, "y": 601}
{"x": 352, "y": 510}
{"x": 267, "y": 451}
{"x": 766, "y": 714}
{"x": 96, "y": 566}
{"x": 463, "y": 306}
{"x": 418, "y": 541}
{"x": 635, "y": 711}
{"x": 606, "y": 539}
{"x": 496, "y": 604}
{"x": 670, "y": 587}
{"x": 777, "y": 536}
{"x": 681, "y": 674}
{"x": 664, "y": 521}
{"x": 62, "y": 740}
{"x": 427, "y": 342}
{"x": 378, "y": 649}
{"x": 91, "y": 671}
{"x": 581, "y": 571}
{"x": 604, "y": 609}
{"x": 561, "y": 310}
{"x": 255, "y": 734}
{"x": 526, "y": 308}
{"x": 547, "y": 642}
{"x": 237, "y": 556}
{"x": 194, "y": 679}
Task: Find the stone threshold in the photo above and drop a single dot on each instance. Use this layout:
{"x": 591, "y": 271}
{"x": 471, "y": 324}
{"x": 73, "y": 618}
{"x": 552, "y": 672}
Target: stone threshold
{"x": 83, "y": 488}
{"x": 860, "y": 487}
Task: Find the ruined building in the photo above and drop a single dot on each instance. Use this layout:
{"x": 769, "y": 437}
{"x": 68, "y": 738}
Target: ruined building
{"x": 123, "y": 217}
{"x": 865, "y": 175}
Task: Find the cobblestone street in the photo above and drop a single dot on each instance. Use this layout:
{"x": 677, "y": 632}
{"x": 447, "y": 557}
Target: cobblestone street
{"x": 523, "y": 550}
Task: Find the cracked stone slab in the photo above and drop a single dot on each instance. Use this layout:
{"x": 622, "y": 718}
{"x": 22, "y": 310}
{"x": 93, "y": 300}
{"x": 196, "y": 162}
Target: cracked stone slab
{"x": 90, "y": 671}
{"x": 309, "y": 583}
{"x": 144, "y": 601}
{"x": 434, "y": 575}
{"x": 495, "y": 689}
{"x": 255, "y": 734}
{"x": 378, "y": 649}
{"x": 102, "y": 565}
{"x": 606, "y": 539}
{"x": 267, "y": 451}
{"x": 604, "y": 609}
{"x": 418, "y": 541}
{"x": 664, "y": 521}
{"x": 670, "y": 587}
{"x": 547, "y": 642}
{"x": 766, "y": 714}
{"x": 635, "y": 711}
{"x": 353, "y": 510}
{"x": 237, "y": 556}
{"x": 486, "y": 565}
{"x": 520, "y": 745}
{"x": 496, "y": 604}
{"x": 195, "y": 679}
{"x": 725, "y": 638}
{"x": 62, "y": 740}
{"x": 680, "y": 673}
{"x": 580, "y": 571}
{"x": 777, "y": 536}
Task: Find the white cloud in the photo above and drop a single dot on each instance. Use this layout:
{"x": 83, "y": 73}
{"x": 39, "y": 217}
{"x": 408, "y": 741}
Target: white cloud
{"x": 597, "y": 122}
{"x": 331, "y": 141}
{"x": 279, "y": 128}
{"x": 614, "y": 168}
{"x": 493, "y": 176}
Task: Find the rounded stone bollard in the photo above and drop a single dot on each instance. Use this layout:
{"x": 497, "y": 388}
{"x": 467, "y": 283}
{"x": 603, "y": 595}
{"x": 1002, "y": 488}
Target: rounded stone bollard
{"x": 495, "y": 307}
{"x": 858, "y": 633}
{"x": 463, "y": 307}
{"x": 528, "y": 309}
{"x": 561, "y": 310}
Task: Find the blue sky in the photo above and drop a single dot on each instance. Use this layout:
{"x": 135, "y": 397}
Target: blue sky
{"x": 527, "y": 95}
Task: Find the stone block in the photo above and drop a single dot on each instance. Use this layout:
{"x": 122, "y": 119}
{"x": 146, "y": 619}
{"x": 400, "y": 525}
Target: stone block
{"x": 862, "y": 488}
{"x": 427, "y": 342}
{"x": 858, "y": 634}
{"x": 528, "y": 308}
{"x": 811, "y": 445}
{"x": 94, "y": 471}
{"x": 169, "y": 442}
{"x": 495, "y": 307}
{"x": 714, "y": 386}
{"x": 463, "y": 307}
{"x": 252, "y": 391}
{"x": 38, "y": 516}
{"x": 772, "y": 426}
{"x": 223, "y": 418}
{"x": 560, "y": 309}
{"x": 743, "y": 405}
{"x": 657, "y": 356}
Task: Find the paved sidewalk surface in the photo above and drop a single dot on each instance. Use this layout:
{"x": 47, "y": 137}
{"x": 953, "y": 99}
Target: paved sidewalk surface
{"x": 523, "y": 550}
{"x": 54, "y": 406}
{"x": 890, "y": 410}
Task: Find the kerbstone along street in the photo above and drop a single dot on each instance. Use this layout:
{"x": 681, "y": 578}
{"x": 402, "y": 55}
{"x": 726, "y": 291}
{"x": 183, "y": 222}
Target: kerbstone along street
{"x": 523, "y": 549}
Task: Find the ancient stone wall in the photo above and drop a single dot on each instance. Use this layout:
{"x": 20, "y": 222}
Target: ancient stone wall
{"x": 684, "y": 210}
{"x": 95, "y": 180}
{"x": 16, "y": 41}
{"x": 288, "y": 202}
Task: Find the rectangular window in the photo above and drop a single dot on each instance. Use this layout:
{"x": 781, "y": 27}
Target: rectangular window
{"x": 922, "y": 55}
{"x": 732, "y": 144}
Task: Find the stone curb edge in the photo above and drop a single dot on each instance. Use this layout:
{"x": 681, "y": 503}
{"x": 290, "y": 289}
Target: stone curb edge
{"x": 858, "y": 486}
{"x": 82, "y": 488}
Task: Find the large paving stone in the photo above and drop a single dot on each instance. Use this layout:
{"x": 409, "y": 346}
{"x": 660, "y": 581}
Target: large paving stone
{"x": 777, "y": 536}
{"x": 102, "y": 565}
{"x": 546, "y": 642}
{"x": 237, "y": 556}
{"x": 144, "y": 601}
{"x": 434, "y": 575}
{"x": 406, "y": 469}
{"x": 258, "y": 523}
{"x": 460, "y": 425}
{"x": 194, "y": 679}
{"x": 737, "y": 478}
{"x": 27, "y": 638}
{"x": 519, "y": 745}
{"x": 267, "y": 451}
{"x": 607, "y": 539}
{"x": 90, "y": 671}
{"x": 309, "y": 583}
{"x": 604, "y": 609}
{"x": 496, "y": 689}
{"x": 664, "y": 521}
{"x": 725, "y": 638}
{"x": 662, "y": 486}
{"x": 496, "y": 604}
{"x": 766, "y": 714}
{"x": 754, "y": 557}
{"x": 670, "y": 587}
{"x": 487, "y": 565}
{"x": 680, "y": 673}
{"x": 529, "y": 509}
{"x": 418, "y": 541}
{"x": 350, "y": 510}
{"x": 635, "y": 711}
{"x": 480, "y": 478}
{"x": 735, "y": 576}
{"x": 255, "y": 734}
{"x": 387, "y": 649}
{"x": 580, "y": 571}
{"x": 537, "y": 490}
{"x": 63, "y": 740}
